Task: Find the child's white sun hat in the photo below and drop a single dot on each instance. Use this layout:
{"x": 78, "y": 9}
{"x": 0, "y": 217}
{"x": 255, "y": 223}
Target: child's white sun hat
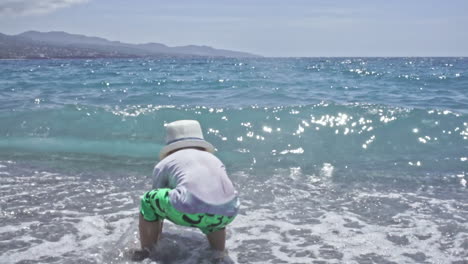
{"x": 184, "y": 134}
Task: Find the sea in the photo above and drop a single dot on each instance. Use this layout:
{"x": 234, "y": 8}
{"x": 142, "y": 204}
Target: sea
{"x": 336, "y": 160}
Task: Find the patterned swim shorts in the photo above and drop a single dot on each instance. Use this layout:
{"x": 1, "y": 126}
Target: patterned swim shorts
{"x": 155, "y": 206}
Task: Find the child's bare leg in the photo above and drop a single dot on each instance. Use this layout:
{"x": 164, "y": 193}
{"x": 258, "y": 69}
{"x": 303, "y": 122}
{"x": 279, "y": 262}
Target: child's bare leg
{"x": 149, "y": 232}
{"x": 217, "y": 239}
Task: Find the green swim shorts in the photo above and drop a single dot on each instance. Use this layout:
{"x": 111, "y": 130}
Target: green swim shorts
{"x": 155, "y": 206}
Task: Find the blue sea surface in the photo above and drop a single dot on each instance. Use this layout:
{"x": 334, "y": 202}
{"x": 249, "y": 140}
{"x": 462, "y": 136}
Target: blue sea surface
{"x": 336, "y": 160}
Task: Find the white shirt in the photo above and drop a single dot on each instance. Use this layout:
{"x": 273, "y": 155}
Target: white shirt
{"x": 199, "y": 183}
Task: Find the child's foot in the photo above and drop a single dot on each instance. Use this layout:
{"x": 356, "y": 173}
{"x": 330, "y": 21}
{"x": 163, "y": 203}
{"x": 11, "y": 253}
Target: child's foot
{"x": 139, "y": 254}
{"x": 218, "y": 256}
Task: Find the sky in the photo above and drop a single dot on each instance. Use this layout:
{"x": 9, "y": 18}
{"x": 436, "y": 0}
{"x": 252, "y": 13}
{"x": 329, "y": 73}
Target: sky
{"x": 287, "y": 28}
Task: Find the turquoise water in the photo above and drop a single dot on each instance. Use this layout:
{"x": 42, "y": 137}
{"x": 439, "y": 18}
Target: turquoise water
{"x": 373, "y": 149}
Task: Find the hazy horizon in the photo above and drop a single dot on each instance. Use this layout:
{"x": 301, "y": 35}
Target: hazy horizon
{"x": 269, "y": 28}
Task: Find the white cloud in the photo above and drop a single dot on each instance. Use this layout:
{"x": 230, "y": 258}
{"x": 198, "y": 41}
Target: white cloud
{"x": 32, "y": 7}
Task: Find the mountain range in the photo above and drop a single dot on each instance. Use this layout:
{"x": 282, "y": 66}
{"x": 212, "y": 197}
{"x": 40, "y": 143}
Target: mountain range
{"x": 58, "y": 44}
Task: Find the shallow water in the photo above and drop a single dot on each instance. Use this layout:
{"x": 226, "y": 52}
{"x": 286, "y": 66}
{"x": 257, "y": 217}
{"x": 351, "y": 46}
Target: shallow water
{"x": 336, "y": 160}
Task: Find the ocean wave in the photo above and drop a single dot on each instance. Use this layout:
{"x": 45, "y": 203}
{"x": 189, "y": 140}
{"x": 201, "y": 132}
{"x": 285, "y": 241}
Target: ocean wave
{"x": 352, "y": 137}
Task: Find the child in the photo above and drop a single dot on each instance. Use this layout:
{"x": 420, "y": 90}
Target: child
{"x": 190, "y": 188}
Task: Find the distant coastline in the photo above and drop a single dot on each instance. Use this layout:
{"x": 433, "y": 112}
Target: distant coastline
{"x": 63, "y": 45}
{"x": 312, "y": 57}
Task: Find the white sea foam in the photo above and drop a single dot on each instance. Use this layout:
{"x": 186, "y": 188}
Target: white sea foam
{"x": 343, "y": 236}
{"x": 295, "y": 214}
{"x": 327, "y": 170}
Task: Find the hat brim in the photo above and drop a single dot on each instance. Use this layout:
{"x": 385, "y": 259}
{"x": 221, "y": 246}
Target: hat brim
{"x": 185, "y": 144}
